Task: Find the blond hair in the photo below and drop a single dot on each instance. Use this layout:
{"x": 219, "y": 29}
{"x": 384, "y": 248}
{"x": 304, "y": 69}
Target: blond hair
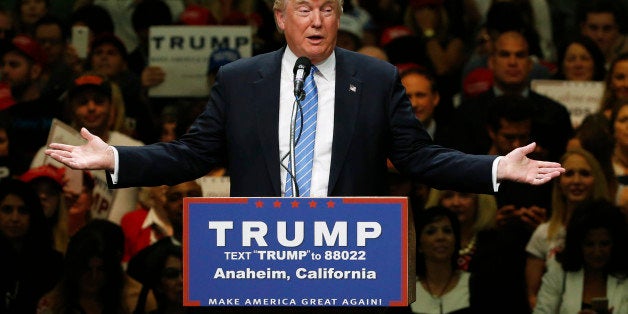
{"x": 559, "y": 202}
{"x": 486, "y": 208}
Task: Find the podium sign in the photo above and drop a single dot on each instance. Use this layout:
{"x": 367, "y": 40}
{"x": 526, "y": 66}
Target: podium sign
{"x": 296, "y": 252}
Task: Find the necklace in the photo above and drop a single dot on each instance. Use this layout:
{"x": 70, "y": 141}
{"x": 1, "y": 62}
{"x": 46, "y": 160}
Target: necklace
{"x": 469, "y": 248}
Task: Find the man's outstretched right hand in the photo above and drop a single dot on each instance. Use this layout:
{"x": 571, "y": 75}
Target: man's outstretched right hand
{"x": 93, "y": 155}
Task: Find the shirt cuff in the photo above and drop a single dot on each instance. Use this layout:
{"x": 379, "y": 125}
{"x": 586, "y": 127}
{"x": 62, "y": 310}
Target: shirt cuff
{"x": 116, "y": 167}
{"x": 493, "y": 173}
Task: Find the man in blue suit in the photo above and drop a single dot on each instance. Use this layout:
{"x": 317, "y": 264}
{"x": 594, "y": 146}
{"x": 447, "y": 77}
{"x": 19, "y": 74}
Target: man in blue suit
{"x": 363, "y": 118}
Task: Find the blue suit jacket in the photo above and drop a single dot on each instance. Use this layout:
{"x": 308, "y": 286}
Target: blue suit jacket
{"x": 239, "y": 128}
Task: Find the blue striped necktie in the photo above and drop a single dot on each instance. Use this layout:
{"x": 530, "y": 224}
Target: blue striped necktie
{"x": 305, "y": 134}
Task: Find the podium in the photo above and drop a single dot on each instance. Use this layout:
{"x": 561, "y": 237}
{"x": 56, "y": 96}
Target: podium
{"x": 337, "y": 251}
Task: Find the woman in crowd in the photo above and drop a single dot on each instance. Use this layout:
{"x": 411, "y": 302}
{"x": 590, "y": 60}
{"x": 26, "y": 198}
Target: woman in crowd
{"x": 441, "y": 286}
{"x": 475, "y": 213}
{"x": 616, "y": 85}
{"x": 48, "y": 182}
{"x": 583, "y": 180}
{"x": 93, "y": 279}
{"x": 28, "y": 265}
{"x": 619, "y": 159}
{"x": 595, "y": 136}
{"x": 581, "y": 60}
{"x": 158, "y": 267}
{"x": 593, "y": 264}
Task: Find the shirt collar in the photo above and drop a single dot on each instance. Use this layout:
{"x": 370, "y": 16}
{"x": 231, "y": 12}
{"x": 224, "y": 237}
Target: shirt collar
{"x": 325, "y": 68}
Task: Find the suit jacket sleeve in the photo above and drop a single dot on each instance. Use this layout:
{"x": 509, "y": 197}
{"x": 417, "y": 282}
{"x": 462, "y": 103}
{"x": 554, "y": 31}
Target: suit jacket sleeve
{"x": 413, "y": 152}
{"x": 184, "y": 159}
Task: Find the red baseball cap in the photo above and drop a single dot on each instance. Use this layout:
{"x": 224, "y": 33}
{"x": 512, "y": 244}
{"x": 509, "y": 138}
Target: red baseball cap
{"x": 477, "y": 82}
{"x": 45, "y": 171}
{"x": 90, "y": 80}
{"x": 28, "y": 47}
{"x": 403, "y": 67}
{"x": 394, "y": 32}
{"x": 196, "y": 15}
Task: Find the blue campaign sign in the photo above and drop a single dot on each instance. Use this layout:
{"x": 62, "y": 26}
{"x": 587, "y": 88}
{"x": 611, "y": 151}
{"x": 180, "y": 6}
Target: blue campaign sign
{"x": 295, "y": 251}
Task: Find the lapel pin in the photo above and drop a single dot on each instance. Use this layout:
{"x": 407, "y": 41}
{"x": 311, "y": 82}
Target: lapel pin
{"x": 352, "y": 88}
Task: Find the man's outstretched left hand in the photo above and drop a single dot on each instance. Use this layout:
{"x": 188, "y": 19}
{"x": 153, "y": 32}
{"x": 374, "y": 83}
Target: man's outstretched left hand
{"x": 516, "y": 166}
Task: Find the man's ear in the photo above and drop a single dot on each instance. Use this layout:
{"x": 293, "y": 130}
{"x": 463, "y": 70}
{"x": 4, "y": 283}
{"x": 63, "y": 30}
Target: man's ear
{"x": 280, "y": 20}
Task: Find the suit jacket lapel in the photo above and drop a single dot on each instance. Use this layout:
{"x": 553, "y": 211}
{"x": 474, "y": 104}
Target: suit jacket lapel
{"x": 265, "y": 96}
{"x": 346, "y": 106}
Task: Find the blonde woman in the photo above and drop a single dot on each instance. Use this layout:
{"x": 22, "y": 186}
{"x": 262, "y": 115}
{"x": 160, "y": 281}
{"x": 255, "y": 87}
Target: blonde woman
{"x": 475, "y": 212}
{"x": 583, "y": 180}
{"x": 616, "y": 85}
{"x": 619, "y": 158}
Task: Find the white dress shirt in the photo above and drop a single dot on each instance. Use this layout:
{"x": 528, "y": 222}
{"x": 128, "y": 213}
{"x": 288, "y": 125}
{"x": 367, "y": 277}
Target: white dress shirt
{"x": 325, "y": 79}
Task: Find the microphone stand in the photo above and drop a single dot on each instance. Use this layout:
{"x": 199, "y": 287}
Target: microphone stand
{"x": 293, "y": 121}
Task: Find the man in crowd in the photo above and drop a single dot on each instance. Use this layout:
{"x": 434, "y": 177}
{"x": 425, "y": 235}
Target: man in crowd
{"x": 89, "y": 100}
{"x": 52, "y": 35}
{"x": 511, "y": 66}
{"x": 109, "y": 57}
{"x": 600, "y": 21}
{"x": 32, "y": 114}
{"x": 510, "y": 127}
{"x": 420, "y": 85}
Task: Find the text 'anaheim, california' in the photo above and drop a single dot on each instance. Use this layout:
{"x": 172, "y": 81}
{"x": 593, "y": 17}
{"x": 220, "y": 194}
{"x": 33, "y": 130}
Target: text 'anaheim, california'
{"x": 300, "y": 273}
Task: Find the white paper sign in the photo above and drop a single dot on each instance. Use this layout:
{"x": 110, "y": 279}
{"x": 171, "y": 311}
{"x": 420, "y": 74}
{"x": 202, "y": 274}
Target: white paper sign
{"x": 214, "y": 186}
{"x": 184, "y": 53}
{"x": 102, "y": 196}
{"x": 580, "y": 98}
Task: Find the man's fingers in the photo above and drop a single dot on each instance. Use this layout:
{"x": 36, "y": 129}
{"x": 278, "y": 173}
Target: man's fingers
{"x": 528, "y": 148}
{"x": 64, "y": 154}
{"x": 547, "y": 168}
{"x": 60, "y": 146}
{"x": 86, "y": 135}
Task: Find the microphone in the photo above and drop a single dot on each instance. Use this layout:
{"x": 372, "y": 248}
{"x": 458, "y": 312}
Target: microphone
{"x": 301, "y": 71}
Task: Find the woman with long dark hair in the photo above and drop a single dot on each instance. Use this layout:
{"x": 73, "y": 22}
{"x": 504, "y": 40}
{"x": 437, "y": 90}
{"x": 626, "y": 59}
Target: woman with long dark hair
{"x": 593, "y": 264}
{"x": 29, "y": 267}
{"x": 93, "y": 279}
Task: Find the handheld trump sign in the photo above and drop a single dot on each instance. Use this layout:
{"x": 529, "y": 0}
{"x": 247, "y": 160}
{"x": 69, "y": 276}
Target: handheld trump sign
{"x": 296, "y": 252}
{"x": 186, "y": 53}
